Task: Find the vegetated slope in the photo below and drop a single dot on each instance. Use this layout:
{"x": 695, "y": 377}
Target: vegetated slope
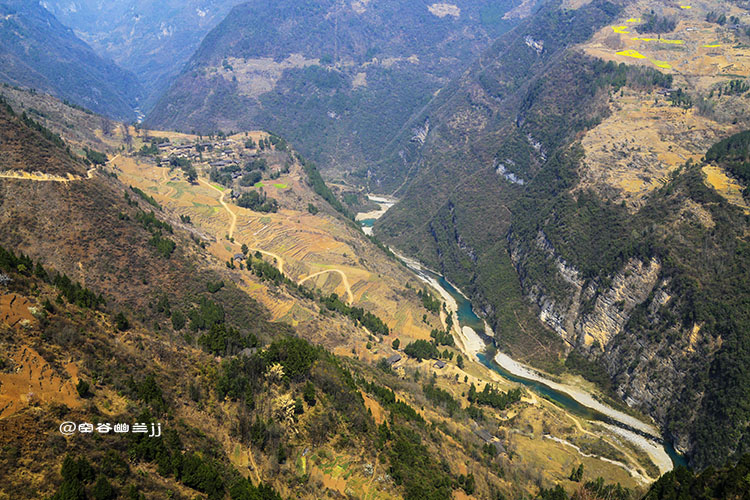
{"x": 76, "y": 125}
{"x": 336, "y": 79}
{"x": 37, "y": 51}
{"x": 304, "y": 242}
{"x": 490, "y": 133}
{"x": 99, "y": 213}
{"x": 728, "y": 482}
{"x": 29, "y": 147}
{"x": 651, "y": 294}
{"x": 104, "y": 291}
{"x": 151, "y": 39}
{"x": 167, "y": 292}
{"x": 470, "y": 114}
{"x": 287, "y": 421}
{"x": 223, "y": 425}
{"x": 660, "y": 294}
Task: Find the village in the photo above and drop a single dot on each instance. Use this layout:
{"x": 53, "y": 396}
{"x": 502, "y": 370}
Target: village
{"x": 239, "y": 160}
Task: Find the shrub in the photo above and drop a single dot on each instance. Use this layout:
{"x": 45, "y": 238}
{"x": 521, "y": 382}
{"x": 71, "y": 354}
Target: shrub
{"x": 421, "y": 349}
{"x": 84, "y": 389}
{"x": 121, "y": 322}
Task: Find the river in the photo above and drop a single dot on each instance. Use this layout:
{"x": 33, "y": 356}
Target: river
{"x": 573, "y": 399}
{"x": 367, "y": 219}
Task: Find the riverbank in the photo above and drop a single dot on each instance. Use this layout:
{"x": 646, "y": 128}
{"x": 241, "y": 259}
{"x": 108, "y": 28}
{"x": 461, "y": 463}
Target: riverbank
{"x": 466, "y": 338}
{"x": 586, "y": 399}
{"x": 656, "y": 453}
{"x": 469, "y": 342}
{"x": 473, "y": 345}
{"x": 640, "y": 477}
{"x": 385, "y": 204}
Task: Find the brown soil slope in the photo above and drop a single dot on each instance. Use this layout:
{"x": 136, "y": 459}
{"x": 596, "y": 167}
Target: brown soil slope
{"x": 27, "y": 149}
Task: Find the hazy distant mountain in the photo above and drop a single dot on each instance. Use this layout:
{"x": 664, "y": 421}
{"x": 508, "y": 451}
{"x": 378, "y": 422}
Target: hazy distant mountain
{"x": 153, "y": 39}
{"x": 338, "y": 79}
{"x": 37, "y": 51}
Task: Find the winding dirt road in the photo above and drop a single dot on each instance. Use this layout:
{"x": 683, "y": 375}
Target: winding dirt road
{"x": 279, "y": 259}
{"x": 233, "y": 215}
{"x": 343, "y": 278}
{"x": 164, "y": 179}
{"x": 41, "y": 177}
{"x": 646, "y": 479}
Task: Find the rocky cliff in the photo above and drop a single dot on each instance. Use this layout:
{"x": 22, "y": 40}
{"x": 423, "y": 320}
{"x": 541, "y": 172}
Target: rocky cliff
{"x": 631, "y": 322}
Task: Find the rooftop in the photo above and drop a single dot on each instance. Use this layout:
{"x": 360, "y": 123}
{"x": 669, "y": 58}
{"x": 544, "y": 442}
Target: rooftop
{"x": 393, "y": 359}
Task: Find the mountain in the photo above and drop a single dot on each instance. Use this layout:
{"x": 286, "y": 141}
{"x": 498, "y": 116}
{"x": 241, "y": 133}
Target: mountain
{"x": 98, "y": 303}
{"x": 526, "y": 79}
{"x": 38, "y": 52}
{"x": 153, "y": 40}
{"x": 214, "y": 285}
{"x": 136, "y": 309}
{"x": 337, "y": 79}
{"x": 584, "y": 180}
{"x": 618, "y": 217}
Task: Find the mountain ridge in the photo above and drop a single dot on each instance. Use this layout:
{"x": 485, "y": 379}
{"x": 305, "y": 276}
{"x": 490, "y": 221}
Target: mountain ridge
{"x": 578, "y": 253}
{"x": 335, "y": 79}
{"x": 153, "y": 40}
{"x": 40, "y": 53}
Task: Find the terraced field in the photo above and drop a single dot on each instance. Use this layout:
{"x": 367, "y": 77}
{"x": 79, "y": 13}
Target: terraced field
{"x": 699, "y": 51}
{"x": 648, "y": 134}
{"x": 320, "y": 250}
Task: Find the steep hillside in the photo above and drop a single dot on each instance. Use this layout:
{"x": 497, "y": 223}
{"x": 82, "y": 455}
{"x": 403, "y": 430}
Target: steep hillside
{"x": 727, "y": 482}
{"x": 38, "y": 52}
{"x": 158, "y": 288}
{"x": 77, "y": 126}
{"x": 31, "y": 148}
{"x": 152, "y": 39}
{"x": 337, "y": 79}
{"x": 490, "y": 134}
{"x": 601, "y": 221}
{"x": 131, "y": 332}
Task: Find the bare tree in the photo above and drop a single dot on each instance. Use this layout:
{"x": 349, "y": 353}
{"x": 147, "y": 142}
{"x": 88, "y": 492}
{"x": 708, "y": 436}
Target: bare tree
{"x": 107, "y": 126}
{"x": 126, "y": 136}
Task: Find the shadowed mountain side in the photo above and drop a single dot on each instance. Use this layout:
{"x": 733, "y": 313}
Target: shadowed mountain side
{"x": 336, "y": 79}
{"x": 152, "y": 39}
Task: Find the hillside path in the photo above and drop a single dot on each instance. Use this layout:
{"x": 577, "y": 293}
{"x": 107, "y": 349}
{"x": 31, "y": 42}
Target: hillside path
{"x": 343, "y": 277}
{"x": 279, "y": 259}
{"x": 233, "y": 215}
{"x": 233, "y": 226}
{"x": 256, "y": 473}
{"x": 41, "y": 177}
{"x": 645, "y": 478}
{"x": 164, "y": 180}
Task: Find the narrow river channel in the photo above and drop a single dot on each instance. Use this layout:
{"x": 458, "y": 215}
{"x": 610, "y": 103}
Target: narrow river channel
{"x": 573, "y": 399}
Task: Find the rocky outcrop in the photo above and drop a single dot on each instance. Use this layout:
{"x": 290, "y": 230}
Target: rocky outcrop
{"x": 592, "y": 313}
{"x": 612, "y": 306}
{"x": 648, "y": 359}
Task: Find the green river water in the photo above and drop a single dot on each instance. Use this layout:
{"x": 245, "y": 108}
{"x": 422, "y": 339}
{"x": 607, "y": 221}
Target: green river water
{"x": 467, "y": 317}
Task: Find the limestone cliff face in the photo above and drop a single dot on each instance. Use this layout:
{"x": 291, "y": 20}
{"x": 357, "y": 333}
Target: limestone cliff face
{"x": 612, "y": 306}
{"x": 612, "y": 320}
{"x": 592, "y": 313}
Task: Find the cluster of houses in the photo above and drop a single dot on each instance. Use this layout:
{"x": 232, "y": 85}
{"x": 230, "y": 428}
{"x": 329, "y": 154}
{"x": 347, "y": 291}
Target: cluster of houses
{"x": 217, "y": 154}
